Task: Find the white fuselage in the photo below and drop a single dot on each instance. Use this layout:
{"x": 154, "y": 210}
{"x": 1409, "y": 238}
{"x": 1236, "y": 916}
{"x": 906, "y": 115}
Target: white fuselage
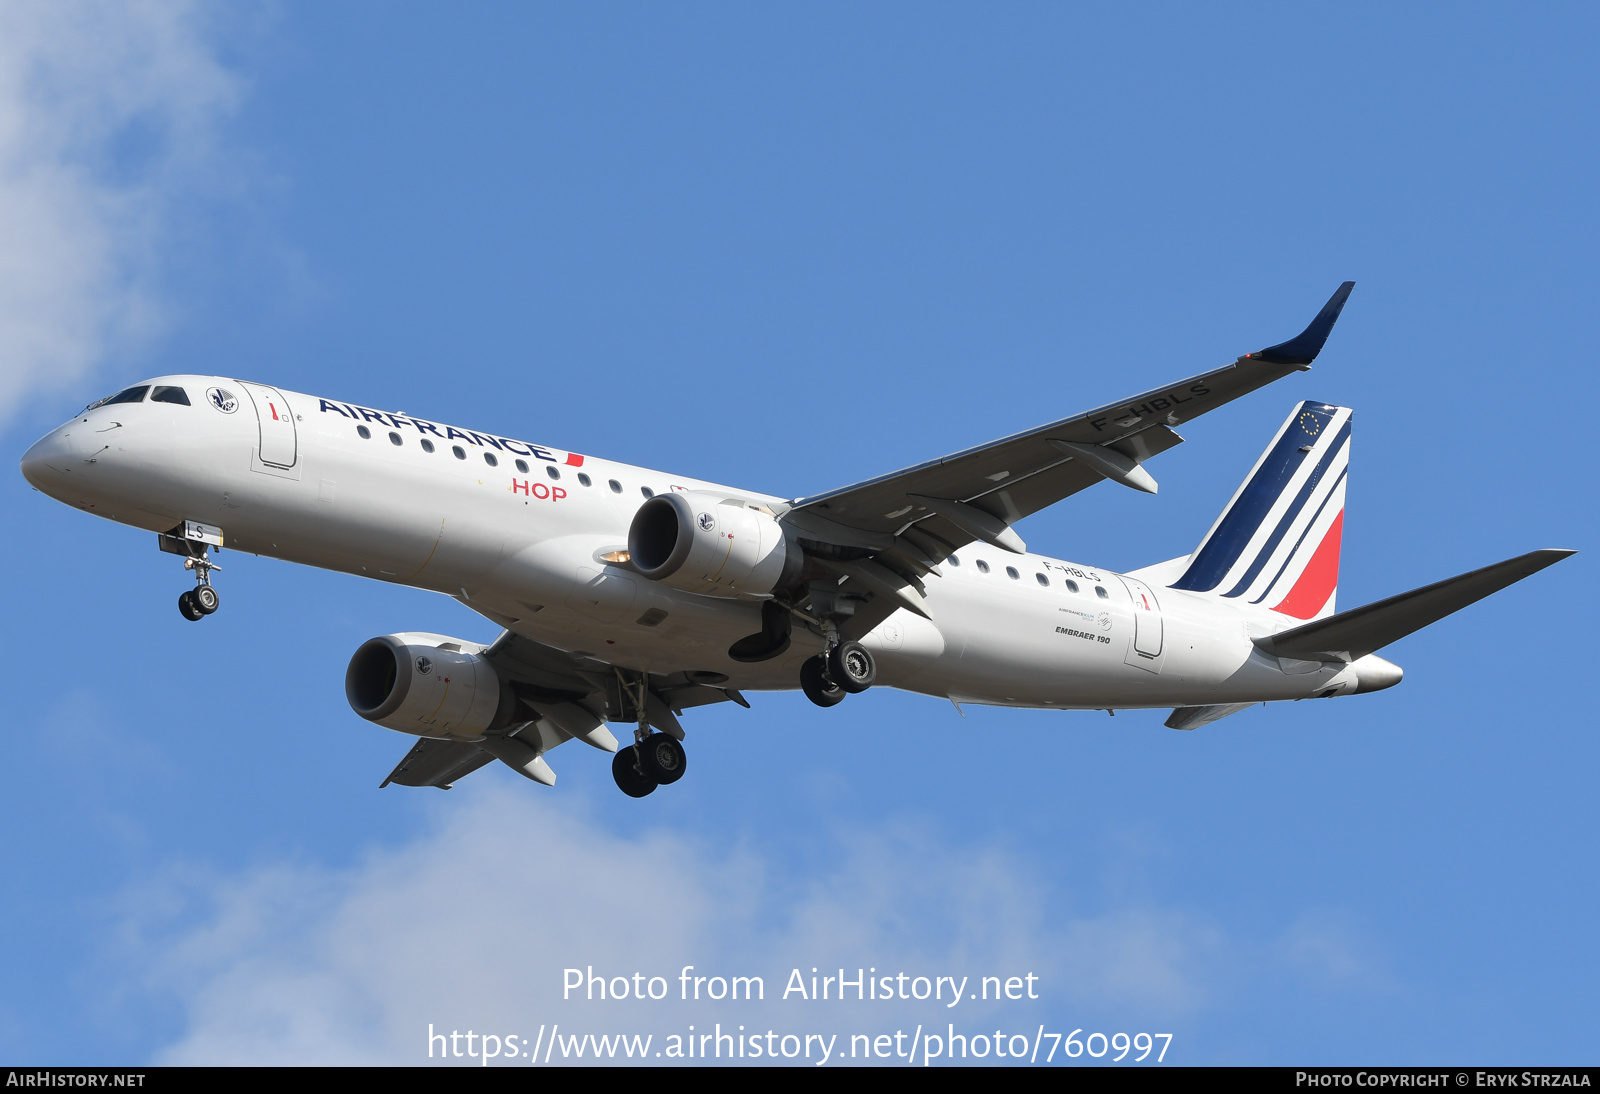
{"x": 525, "y": 548}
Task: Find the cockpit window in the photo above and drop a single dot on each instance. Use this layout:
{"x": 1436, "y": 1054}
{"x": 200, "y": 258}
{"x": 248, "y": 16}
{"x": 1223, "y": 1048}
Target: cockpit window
{"x": 128, "y": 395}
{"x": 170, "y": 395}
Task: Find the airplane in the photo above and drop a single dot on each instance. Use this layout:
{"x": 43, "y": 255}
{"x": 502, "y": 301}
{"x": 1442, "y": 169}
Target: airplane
{"x": 627, "y": 595}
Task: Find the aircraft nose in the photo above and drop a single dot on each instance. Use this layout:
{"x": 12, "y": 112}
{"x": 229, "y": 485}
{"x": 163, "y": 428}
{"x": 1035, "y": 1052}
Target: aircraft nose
{"x": 48, "y": 461}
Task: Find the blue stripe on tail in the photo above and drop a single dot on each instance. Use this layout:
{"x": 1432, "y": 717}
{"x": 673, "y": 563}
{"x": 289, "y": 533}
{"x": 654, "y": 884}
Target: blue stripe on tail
{"x": 1312, "y": 523}
{"x": 1213, "y": 561}
{"x": 1292, "y": 512}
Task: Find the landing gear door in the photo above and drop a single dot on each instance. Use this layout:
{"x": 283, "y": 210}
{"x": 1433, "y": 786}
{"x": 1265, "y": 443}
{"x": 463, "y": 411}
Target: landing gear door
{"x": 279, "y": 447}
{"x": 1145, "y": 652}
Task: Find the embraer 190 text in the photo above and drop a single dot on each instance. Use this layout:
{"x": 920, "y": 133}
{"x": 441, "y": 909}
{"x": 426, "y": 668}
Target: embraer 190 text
{"x": 629, "y": 595}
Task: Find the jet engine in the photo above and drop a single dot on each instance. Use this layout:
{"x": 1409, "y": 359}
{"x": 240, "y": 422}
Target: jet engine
{"x": 701, "y": 543}
{"x": 426, "y": 684}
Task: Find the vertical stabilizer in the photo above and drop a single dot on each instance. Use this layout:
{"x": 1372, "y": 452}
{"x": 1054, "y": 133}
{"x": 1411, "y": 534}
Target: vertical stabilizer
{"x": 1277, "y": 542}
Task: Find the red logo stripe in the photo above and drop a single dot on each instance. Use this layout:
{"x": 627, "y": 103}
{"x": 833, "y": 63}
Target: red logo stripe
{"x": 1320, "y": 577}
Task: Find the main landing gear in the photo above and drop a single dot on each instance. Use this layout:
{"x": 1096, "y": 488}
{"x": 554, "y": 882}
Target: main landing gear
{"x": 846, "y": 668}
{"x": 654, "y": 759}
{"x": 658, "y": 760}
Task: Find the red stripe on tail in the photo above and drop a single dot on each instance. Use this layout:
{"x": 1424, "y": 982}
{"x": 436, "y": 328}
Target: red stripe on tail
{"x": 1320, "y": 577}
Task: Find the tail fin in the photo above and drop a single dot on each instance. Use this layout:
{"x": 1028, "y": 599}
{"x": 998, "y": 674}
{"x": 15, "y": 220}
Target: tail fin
{"x": 1277, "y": 542}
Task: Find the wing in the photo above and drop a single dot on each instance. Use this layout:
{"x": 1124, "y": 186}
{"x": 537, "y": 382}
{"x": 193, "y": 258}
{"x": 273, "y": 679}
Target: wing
{"x": 924, "y": 512}
{"x": 565, "y": 697}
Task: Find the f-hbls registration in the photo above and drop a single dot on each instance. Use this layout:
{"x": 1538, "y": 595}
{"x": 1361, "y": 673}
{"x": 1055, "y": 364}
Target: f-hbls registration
{"x": 628, "y": 596}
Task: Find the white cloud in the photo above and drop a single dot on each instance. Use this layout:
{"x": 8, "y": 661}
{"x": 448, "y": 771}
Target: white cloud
{"x": 107, "y": 115}
{"x": 471, "y": 926}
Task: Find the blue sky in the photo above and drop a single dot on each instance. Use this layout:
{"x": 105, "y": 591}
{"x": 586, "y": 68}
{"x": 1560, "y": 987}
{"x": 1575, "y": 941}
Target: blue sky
{"x": 789, "y": 248}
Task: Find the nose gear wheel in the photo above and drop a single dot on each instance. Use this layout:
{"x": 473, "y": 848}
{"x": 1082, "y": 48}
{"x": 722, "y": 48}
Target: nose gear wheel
{"x": 202, "y": 600}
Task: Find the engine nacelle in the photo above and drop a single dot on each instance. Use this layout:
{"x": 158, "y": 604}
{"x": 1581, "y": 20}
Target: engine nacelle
{"x": 701, "y": 543}
{"x": 426, "y": 684}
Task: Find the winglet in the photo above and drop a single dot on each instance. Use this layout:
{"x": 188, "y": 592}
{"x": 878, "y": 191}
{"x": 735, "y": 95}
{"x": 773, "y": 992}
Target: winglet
{"x": 1304, "y": 347}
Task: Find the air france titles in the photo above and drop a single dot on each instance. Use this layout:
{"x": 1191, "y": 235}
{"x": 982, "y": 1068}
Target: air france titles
{"x": 361, "y": 415}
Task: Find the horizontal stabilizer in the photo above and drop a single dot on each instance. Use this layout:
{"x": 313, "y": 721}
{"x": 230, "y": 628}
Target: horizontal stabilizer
{"x": 1360, "y": 631}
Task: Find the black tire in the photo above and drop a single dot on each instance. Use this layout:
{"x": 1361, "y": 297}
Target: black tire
{"x": 662, "y": 758}
{"x": 188, "y": 608}
{"x": 205, "y": 598}
{"x": 852, "y": 667}
{"x": 629, "y": 781}
{"x": 815, "y": 683}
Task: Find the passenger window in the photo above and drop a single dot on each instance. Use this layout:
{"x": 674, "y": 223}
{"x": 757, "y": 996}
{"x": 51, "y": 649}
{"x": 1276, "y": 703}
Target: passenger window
{"x": 456, "y": 448}
{"x": 363, "y": 432}
{"x": 394, "y": 439}
{"x": 1041, "y": 579}
{"x": 954, "y": 561}
{"x": 1101, "y": 593}
{"x": 522, "y": 465}
{"x": 1011, "y": 572}
{"x": 585, "y": 479}
{"x": 616, "y": 487}
{"x": 427, "y": 445}
{"x": 647, "y": 492}
{"x": 128, "y": 395}
{"x": 175, "y": 395}
{"x": 488, "y": 458}
{"x": 983, "y": 567}
{"x": 553, "y": 470}
{"x": 1071, "y": 584}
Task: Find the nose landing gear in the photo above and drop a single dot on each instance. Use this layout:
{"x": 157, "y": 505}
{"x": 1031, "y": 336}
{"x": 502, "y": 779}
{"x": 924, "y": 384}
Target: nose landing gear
{"x": 193, "y": 540}
{"x": 201, "y": 600}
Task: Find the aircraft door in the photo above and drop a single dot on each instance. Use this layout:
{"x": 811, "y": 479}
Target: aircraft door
{"x": 1147, "y": 627}
{"x": 279, "y": 447}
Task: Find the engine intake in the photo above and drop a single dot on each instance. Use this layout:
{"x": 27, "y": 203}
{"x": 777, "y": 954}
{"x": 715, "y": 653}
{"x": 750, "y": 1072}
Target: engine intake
{"x": 426, "y": 684}
{"x": 701, "y": 543}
